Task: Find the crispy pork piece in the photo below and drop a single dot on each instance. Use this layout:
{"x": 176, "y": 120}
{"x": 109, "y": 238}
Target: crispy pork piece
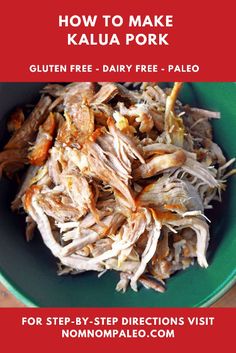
{"x": 110, "y": 90}
{"x": 15, "y": 120}
{"x": 27, "y": 132}
{"x": 12, "y": 160}
{"x": 159, "y": 164}
{"x": 149, "y": 282}
{"x": 72, "y": 93}
{"x": 54, "y": 89}
{"x": 14, "y": 155}
{"x": 83, "y": 120}
{"x": 39, "y": 152}
{"x": 78, "y": 126}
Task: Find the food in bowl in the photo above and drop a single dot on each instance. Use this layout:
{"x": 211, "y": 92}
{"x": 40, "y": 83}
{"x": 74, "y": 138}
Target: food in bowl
{"x": 117, "y": 179}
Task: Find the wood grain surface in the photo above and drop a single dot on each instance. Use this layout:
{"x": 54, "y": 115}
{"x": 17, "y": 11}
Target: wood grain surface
{"x": 8, "y": 300}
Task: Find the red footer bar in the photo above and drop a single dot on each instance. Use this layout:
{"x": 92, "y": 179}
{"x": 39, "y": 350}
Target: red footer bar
{"x": 117, "y": 330}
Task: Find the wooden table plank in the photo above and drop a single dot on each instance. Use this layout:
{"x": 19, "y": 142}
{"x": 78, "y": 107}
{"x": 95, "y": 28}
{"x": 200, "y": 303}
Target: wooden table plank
{"x": 8, "y": 300}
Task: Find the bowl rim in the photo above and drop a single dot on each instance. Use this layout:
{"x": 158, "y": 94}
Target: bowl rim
{"x": 216, "y": 294}
{"x": 206, "y": 302}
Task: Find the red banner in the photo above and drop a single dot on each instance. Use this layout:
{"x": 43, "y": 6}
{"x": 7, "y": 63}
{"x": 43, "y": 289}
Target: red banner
{"x": 124, "y": 41}
{"x": 163, "y": 41}
{"x": 117, "y": 330}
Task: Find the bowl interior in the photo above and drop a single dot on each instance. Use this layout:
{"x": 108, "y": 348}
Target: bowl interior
{"x": 29, "y": 269}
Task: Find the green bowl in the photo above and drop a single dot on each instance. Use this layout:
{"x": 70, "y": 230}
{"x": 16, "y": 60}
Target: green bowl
{"x": 29, "y": 269}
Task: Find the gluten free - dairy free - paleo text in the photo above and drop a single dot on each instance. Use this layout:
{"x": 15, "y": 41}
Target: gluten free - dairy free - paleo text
{"x": 156, "y": 28}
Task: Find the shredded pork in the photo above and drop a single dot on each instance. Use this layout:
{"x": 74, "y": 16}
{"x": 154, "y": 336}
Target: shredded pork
{"x": 117, "y": 179}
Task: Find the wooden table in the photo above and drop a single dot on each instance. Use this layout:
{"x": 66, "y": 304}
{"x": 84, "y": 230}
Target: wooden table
{"x": 8, "y": 300}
